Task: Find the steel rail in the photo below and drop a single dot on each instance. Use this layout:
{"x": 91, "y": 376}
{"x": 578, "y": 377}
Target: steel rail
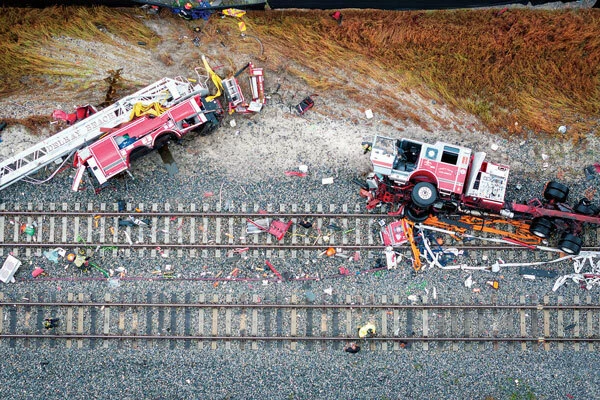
{"x": 560, "y": 307}
{"x": 300, "y": 338}
{"x": 250, "y": 246}
{"x": 190, "y": 214}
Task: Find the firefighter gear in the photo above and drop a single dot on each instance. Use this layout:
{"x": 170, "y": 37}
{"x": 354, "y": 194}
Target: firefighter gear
{"x": 367, "y": 331}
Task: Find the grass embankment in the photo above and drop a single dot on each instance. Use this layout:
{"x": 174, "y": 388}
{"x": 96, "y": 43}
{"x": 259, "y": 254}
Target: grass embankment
{"x": 29, "y": 44}
{"x": 517, "y": 69}
{"x": 520, "y": 69}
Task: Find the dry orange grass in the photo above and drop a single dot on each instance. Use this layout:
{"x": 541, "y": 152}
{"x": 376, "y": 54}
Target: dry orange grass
{"x": 517, "y": 71}
{"x": 537, "y": 68}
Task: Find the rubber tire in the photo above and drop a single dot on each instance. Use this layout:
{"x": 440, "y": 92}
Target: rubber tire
{"x": 138, "y": 153}
{"x": 419, "y": 193}
{"x": 207, "y": 128}
{"x": 162, "y": 140}
{"x": 414, "y": 215}
{"x": 585, "y": 207}
{"x": 556, "y": 191}
{"x": 541, "y": 227}
{"x": 570, "y": 244}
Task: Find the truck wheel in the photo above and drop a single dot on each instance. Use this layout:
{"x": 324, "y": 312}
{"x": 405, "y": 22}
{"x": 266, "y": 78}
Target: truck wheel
{"x": 570, "y": 244}
{"x": 163, "y": 140}
{"x": 556, "y": 191}
{"x": 424, "y": 194}
{"x": 414, "y": 215}
{"x": 586, "y": 207}
{"x": 541, "y": 227}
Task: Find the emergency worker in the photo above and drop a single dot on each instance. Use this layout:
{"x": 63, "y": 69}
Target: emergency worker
{"x": 367, "y": 331}
{"x": 50, "y": 323}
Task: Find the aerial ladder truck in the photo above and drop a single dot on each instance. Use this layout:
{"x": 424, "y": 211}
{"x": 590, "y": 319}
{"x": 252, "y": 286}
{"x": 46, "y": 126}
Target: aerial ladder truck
{"x": 167, "y": 92}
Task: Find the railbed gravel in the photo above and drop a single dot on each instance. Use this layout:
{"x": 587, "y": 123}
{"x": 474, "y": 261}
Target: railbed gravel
{"x": 157, "y": 372}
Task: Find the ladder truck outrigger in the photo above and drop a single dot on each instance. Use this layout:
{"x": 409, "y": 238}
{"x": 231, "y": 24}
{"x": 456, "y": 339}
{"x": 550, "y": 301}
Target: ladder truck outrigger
{"x": 443, "y": 179}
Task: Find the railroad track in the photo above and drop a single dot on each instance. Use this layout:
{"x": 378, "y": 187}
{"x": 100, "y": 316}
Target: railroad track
{"x": 178, "y": 230}
{"x": 193, "y": 230}
{"x": 251, "y": 323}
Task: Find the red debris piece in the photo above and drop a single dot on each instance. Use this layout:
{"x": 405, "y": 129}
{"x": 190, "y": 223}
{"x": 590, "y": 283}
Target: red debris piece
{"x": 208, "y": 194}
{"x": 344, "y": 271}
{"x": 279, "y": 228}
{"x": 37, "y": 272}
{"x": 338, "y": 17}
{"x": 273, "y": 269}
{"x": 295, "y": 173}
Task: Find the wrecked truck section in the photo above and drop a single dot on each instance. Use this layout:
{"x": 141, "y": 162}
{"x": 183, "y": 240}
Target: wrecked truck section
{"x": 105, "y": 142}
{"x": 447, "y": 181}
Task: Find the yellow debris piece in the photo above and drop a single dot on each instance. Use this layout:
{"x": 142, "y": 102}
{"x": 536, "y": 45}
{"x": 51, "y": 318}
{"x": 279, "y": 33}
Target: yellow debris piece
{"x": 215, "y": 78}
{"x": 234, "y": 12}
{"x": 140, "y": 109}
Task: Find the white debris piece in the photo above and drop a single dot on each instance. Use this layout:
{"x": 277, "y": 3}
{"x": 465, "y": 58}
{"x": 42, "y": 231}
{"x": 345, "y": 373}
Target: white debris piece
{"x": 369, "y": 113}
{"x": 327, "y": 181}
{"x": 469, "y": 281}
{"x": 9, "y": 268}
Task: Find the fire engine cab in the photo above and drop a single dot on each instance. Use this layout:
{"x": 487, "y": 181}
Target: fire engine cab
{"x": 430, "y": 179}
{"x": 434, "y": 175}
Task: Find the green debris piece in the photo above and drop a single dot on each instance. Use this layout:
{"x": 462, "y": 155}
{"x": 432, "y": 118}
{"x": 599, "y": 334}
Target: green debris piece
{"x": 104, "y": 272}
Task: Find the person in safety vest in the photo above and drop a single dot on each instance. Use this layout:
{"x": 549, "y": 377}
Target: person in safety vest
{"x": 367, "y": 331}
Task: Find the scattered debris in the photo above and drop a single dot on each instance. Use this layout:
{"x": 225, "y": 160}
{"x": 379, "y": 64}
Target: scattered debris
{"x": 38, "y": 272}
{"x": 276, "y": 228}
{"x": 51, "y": 255}
{"x": 493, "y": 284}
{"x": 540, "y": 273}
{"x": 305, "y": 105}
{"x": 338, "y": 17}
{"x": 9, "y": 268}
{"x": 391, "y": 258}
{"x": 273, "y": 269}
{"x": 469, "y": 281}
{"x": 295, "y": 173}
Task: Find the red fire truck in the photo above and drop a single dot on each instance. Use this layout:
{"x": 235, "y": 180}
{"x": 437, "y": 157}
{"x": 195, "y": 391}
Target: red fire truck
{"x": 444, "y": 179}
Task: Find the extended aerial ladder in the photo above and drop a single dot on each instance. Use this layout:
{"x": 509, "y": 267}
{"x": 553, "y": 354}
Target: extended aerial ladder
{"x": 166, "y": 91}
